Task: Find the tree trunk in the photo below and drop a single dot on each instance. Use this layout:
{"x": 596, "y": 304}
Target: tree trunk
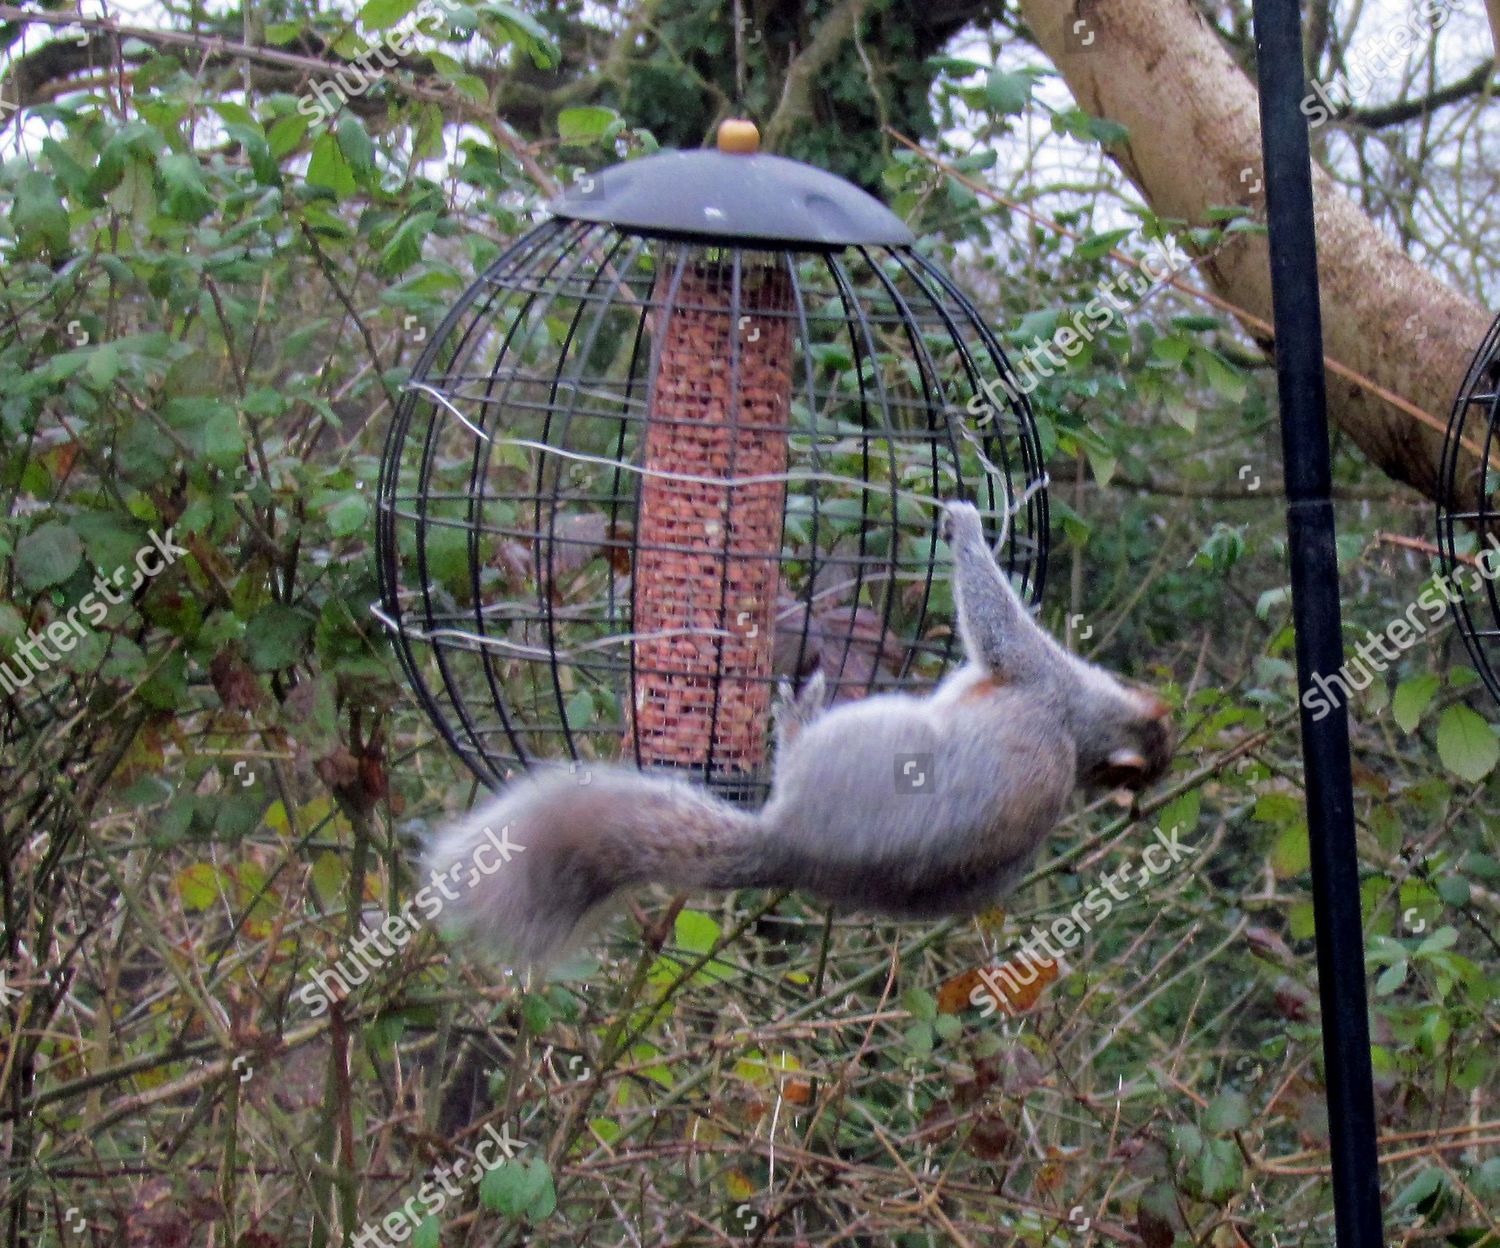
{"x": 1156, "y": 68}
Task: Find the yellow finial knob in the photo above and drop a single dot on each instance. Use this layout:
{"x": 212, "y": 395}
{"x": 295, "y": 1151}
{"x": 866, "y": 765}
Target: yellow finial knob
{"x": 739, "y": 136}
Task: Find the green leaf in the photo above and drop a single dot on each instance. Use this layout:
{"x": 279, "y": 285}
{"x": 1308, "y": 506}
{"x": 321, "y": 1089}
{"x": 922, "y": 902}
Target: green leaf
{"x": 1097, "y": 245}
{"x": 277, "y": 637}
{"x": 38, "y": 215}
{"x": 405, "y": 247}
{"x": 537, "y": 1013}
{"x": 1223, "y": 376}
{"x": 354, "y": 142}
{"x": 1181, "y": 813}
{"x": 1007, "y": 94}
{"x": 348, "y": 515}
{"x": 1420, "y": 1190}
{"x": 1391, "y": 978}
{"x": 1301, "y": 920}
{"x": 286, "y": 134}
{"x": 519, "y": 1189}
{"x": 580, "y": 710}
{"x": 199, "y": 885}
{"x": 1171, "y": 350}
{"x": 581, "y": 126}
{"x": 380, "y": 14}
{"x": 185, "y": 195}
{"x": 1102, "y": 462}
{"x": 1106, "y": 132}
{"x": 429, "y": 1233}
{"x": 1466, "y": 744}
{"x": 526, "y": 33}
{"x": 1196, "y": 323}
{"x": 921, "y": 1004}
{"x": 1291, "y": 853}
{"x": 1229, "y": 1111}
{"x": 218, "y": 439}
{"x": 109, "y": 539}
{"x": 1444, "y": 938}
{"x": 330, "y": 167}
{"x": 1218, "y": 1173}
{"x": 1411, "y": 699}
{"x": 695, "y": 931}
{"x": 48, "y": 555}
{"x": 918, "y": 1039}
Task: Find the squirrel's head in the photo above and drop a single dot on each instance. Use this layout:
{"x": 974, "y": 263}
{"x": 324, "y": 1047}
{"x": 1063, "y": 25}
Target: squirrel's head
{"x": 1127, "y": 742}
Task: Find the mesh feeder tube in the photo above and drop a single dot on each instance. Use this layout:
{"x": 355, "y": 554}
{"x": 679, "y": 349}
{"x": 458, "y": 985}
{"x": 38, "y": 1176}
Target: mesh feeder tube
{"x": 707, "y": 572}
{"x": 706, "y": 575}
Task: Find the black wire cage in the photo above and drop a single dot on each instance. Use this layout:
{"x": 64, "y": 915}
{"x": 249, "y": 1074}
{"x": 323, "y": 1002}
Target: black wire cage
{"x": 1469, "y": 507}
{"x": 680, "y": 442}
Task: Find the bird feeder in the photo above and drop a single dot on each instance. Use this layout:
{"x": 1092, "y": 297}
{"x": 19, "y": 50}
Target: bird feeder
{"x": 1468, "y": 514}
{"x": 683, "y": 440}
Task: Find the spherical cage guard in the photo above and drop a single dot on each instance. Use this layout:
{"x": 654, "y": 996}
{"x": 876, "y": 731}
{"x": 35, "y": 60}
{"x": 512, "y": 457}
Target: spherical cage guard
{"x": 635, "y": 482}
{"x": 1468, "y": 517}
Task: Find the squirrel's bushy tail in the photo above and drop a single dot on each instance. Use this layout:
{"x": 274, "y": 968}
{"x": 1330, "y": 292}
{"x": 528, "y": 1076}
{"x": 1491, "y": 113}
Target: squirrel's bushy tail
{"x": 527, "y": 867}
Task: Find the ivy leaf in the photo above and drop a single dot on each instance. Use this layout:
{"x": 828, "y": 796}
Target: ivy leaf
{"x": 1412, "y": 698}
{"x": 1466, "y": 744}
{"x": 48, "y": 555}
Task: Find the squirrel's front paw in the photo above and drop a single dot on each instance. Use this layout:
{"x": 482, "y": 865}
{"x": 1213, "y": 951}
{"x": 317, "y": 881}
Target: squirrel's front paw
{"x": 960, "y": 520}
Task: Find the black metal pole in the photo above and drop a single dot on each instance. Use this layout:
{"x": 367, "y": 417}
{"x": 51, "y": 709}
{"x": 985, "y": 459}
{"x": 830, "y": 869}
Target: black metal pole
{"x": 1315, "y": 611}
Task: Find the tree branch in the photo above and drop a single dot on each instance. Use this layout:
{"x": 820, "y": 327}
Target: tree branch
{"x": 795, "y": 104}
{"x": 1395, "y": 114}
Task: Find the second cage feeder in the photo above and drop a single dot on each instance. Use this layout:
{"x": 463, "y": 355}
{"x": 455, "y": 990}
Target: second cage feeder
{"x": 679, "y": 442}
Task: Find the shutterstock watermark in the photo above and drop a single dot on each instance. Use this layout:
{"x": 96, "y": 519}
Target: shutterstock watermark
{"x": 328, "y": 96}
{"x": 1327, "y": 99}
{"x": 336, "y": 982}
{"x": 65, "y": 633}
{"x": 432, "y": 1197}
{"x": 1000, "y": 985}
{"x": 1400, "y": 634}
{"x": 1046, "y": 357}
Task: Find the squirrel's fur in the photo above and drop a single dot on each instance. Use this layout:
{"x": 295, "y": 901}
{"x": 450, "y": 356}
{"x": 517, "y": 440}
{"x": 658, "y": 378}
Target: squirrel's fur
{"x": 908, "y": 806}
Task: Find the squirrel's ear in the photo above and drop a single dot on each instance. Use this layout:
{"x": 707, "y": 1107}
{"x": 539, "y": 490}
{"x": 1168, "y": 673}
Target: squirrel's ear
{"x": 1150, "y": 705}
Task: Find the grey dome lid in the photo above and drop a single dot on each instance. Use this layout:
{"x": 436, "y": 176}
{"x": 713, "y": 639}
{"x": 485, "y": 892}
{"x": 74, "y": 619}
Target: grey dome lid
{"x": 733, "y": 197}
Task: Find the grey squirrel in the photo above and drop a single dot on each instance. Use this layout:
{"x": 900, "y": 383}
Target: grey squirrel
{"x": 913, "y": 807}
